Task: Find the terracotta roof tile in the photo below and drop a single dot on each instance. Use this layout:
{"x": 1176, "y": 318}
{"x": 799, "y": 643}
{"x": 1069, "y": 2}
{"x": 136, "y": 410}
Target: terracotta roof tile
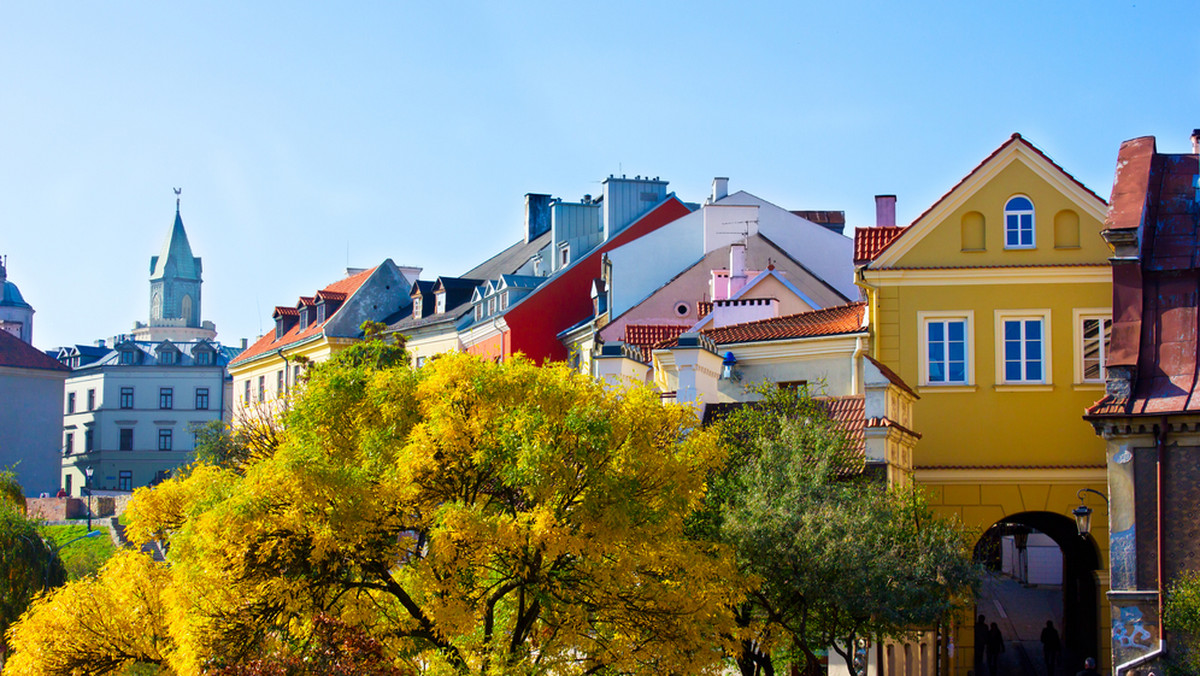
{"x": 831, "y": 321}
{"x": 703, "y": 308}
{"x": 892, "y": 376}
{"x": 870, "y": 242}
{"x": 285, "y": 311}
{"x": 268, "y": 343}
{"x": 16, "y": 353}
{"x": 646, "y": 336}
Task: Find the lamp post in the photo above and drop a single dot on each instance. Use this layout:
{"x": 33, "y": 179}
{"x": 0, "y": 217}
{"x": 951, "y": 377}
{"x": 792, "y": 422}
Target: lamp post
{"x": 88, "y": 487}
{"x": 1083, "y": 513}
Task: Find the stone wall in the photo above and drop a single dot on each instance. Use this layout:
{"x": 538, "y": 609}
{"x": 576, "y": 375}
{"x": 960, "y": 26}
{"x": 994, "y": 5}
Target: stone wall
{"x": 58, "y": 509}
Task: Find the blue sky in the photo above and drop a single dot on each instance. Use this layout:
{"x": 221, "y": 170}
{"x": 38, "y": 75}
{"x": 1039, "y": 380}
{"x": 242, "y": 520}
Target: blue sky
{"x": 309, "y": 135}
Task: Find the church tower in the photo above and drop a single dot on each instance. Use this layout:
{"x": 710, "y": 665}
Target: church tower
{"x": 175, "y": 291}
{"x": 16, "y": 316}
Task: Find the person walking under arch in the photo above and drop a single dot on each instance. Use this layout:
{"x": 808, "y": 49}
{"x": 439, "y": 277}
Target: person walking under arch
{"x": 981, "y": 635}
{"x": 1051, "y": 647}
{"x": 995, "y": 646}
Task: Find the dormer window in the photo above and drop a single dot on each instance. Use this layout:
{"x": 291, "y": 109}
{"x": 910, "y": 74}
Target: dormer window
{"x": 167, "y": 358}
{"x": 440, "y": 302}
{"x": 203, "y": 355}
{"x": 564, "y": 255}
{"x": 478, "y": 311}
{"x": 416, "y": 307}
{"x": 504, "y": 300}
{"x": 491, "y": 307}
{"x": 321, "y": 312}
{"x": 128, "y": 357}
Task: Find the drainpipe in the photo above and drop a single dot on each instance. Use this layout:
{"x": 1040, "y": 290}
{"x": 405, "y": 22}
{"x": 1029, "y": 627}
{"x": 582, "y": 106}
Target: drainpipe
{"x": 287, "y": 371}
{"x": 860, "y": 280}
{"x": 860, "y": 348}
{"x": 1160, "y": 444}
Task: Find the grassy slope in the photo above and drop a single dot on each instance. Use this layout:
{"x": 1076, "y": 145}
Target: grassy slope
{"x": 84, "y": 557}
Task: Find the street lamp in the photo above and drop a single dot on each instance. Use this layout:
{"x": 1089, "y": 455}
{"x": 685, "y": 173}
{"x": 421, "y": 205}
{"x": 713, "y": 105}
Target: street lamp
{"x": 727, "y": 365}
{"x": 1083, "y": 513}
{"x": 88, "y": 486}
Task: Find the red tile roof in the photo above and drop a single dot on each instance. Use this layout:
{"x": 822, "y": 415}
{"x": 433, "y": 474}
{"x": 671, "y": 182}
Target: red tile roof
{"x": 646, "y": 336}
{"x": 703, "y": 308}
{"x": 339, "y": 290}
{"x": 849, "y": 414}
{"x": 285, "y": 311}
{"x": 892, "y": 376}
{"x": 831, "y": 321}
{"x": 16, "y": 353}
{"x": 870, "y": 242}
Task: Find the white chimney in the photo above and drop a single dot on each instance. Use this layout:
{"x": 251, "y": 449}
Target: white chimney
{"x": 885, "y": 210}
{"x": 720, "y": 188}
{"x": 737, "y": 267}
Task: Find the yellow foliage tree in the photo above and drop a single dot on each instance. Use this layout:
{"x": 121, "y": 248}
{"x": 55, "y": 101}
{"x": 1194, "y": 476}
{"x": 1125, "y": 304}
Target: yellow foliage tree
{"x": 473, "y": 517}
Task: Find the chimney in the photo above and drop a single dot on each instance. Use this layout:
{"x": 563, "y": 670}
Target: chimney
{"x": 537, "y": 215}
{"x": 885, "y": 211}
{"x": 243, "y": 343}
{"x": 737, "y": 267}
{"x": 1196, "y": 141}
{"x": 99, "y": 342}
{"x": 720, "y": 188}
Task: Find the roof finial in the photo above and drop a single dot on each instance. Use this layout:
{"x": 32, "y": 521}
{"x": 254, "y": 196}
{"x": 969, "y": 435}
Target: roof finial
{"x": 178, "y": 191}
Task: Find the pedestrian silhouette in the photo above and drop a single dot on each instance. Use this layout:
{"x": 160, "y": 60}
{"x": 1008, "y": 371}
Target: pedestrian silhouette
{"x": 1089, "y": 668}
{"x": 995, "y": 646}
{"x": 981, "y": 635}
{"x": 1051, "y": 647}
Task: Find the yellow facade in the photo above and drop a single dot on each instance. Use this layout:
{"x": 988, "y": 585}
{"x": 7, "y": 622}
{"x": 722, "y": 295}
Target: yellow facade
{"x": 1002, "y": 433}
{"x": 263, "y": 383}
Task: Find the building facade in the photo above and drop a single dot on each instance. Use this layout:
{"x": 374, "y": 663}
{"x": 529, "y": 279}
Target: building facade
{"x": 132, "y": 404}
{"x": 993, "y": 305}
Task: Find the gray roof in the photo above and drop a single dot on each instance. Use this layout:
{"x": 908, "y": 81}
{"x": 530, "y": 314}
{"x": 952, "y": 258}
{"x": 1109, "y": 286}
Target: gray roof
{"x": 510, "y": 260}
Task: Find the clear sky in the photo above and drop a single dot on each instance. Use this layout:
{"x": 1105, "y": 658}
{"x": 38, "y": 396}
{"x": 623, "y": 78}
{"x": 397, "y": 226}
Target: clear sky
{"x": 307, "y": 135}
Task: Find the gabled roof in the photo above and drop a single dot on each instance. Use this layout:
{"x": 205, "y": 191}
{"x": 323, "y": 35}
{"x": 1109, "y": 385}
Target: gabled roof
{"x": 1015, "y": 146}
{"x": 510, "y": 260}
{"x": 870, "y": 242}
{"x": 837, "y": 320}
{"x": 16, "y": 353}
{"x": 893, "y": 377}
{"x": 422, "y": 288}
{"x": 449, "y": 284}
{"x": 848, "y": 414}
{"x": 342, "y": 289}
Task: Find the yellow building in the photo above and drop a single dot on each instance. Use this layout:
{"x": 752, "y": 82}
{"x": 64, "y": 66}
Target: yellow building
{"x": 314, "y": 328}
{"x": 994, "y": 305}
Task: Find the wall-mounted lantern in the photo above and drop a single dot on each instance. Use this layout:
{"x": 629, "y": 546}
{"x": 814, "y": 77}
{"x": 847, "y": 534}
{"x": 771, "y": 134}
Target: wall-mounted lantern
{"x": 1083, "y": 513}
{"x": 727, "y": 365}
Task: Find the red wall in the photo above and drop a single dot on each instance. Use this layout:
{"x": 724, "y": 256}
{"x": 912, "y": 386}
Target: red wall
{"x": 566, "y": 299}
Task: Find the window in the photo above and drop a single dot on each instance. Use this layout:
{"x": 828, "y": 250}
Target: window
{"x": 793, "y": 385}
{"x": 946, "y": 349}
{"x": 127, "y": 357}
{"x": 89, "y": 438}
{"x": 279, "y": 391}
{"x": 126, "y": 443}
{"x": 564, "y": 256}
{"x": 946, "y": 340}
{"x": 166, "y": 397}
{"x": 417, "y": 307}
{"x": 262, "y": 389}
{"x": 203, "y": 358}
{"x": 440, "y": 303}
{"x": 295, "y": 375}
{"x": 246, "y": 397}
{"x": 69, "y": 445}
{"x": 1018, "y": 223}
{"x": 166, "y": 358}
{"x": 164, "y": 440}
{"x": 1023, "y": 347}
{"x": 126, "y": 397}
{"x": 420, "y": 362}
{"x": 1093, "y": 332}
{"x": 91, "y": 398}
{"x": 70, "y": 402}
{"x": 201, "y": 398}
{"x": 125, "y": 480}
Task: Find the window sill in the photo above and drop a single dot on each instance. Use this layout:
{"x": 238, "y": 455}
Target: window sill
{"x": 938, "y": 389}
{"x": 1025, "y": 387}
{"x": 1088, "y": 387}
{"x": 1020, "y": 248}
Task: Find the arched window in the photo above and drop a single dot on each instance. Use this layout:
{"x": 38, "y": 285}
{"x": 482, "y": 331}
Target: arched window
{"x": 1018, "y": 223}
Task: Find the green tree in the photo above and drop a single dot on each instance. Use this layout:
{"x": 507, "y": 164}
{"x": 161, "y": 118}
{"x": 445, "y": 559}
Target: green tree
{"x": 1181, "y": 617}
{"x": 27, "y": 562}
{"x": 838, "y": 555}
{"x": 471, "y": 517}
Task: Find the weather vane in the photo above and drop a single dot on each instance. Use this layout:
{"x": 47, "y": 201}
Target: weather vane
{"x": 178, "y": 192}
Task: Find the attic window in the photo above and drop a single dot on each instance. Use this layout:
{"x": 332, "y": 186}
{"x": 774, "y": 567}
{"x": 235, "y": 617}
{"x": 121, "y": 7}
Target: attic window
{"x": 1018, "y": 223}
{"x": 127, "y": 357}
{"x": 203, "y": 357}
{"x": 564, "y": 255}
{"x": 417, "y": 307}
{"x": 166, "y": 357}
{"x": 440, "y": 303}
{"x": 682, "y": 309}
{"x": 321, "y": 312}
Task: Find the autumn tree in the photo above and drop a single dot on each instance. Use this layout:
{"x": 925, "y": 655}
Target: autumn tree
{"x": 838, "y": 555}
{"x": 471, "y": 517}
{"x": 28, "y": 565}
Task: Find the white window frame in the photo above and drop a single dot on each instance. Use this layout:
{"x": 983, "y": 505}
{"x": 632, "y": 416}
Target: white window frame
{"x": 923, "y": 321}
{"x": 416, "y": 307}
{"x": 1042, "y": 314}
{"x": 1079, "y": 316}
{"x": 1018, "y": 213}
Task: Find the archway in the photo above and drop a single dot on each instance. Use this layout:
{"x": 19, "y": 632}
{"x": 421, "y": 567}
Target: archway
{"x": 1078, "y": 623}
